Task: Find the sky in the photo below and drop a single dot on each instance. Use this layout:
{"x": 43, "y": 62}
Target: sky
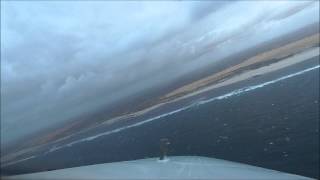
{"x": 60, "y": 60}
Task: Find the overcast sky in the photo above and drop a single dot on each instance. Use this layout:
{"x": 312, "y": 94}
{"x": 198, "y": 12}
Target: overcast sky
{"x": 61, "y": 59}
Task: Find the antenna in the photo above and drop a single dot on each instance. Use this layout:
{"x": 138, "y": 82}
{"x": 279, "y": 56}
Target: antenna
{"x": 164, "y": 143}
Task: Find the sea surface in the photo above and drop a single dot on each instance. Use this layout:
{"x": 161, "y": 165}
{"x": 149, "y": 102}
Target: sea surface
{"x": 271, "y": 121}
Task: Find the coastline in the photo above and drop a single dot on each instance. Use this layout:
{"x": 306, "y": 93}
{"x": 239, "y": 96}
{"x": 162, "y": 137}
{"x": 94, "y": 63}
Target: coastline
{"x": 287, "y": 55}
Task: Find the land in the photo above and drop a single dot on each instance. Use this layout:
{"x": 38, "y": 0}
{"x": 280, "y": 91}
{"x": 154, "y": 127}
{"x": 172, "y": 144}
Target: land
{"x": 256, "y": 65}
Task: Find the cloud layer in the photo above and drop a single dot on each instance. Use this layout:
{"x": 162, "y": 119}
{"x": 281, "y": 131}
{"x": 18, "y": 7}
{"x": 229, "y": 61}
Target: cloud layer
{"x": 61, "y": 59}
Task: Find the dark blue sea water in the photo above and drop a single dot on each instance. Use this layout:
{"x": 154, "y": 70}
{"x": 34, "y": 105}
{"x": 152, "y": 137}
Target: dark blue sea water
{"x": 275, "y": 127}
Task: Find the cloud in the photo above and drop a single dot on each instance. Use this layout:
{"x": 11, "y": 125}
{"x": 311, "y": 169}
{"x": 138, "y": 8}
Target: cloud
{"x": 62, "y": 59}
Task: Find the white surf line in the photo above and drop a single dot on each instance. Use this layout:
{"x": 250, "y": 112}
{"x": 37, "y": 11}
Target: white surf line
{"x": 120, "y": 129}
{"x": 225, "y": 96}
{"x": 286, "y": 62}
{"x": 55, "y": 148}
{"x": 232, "y": 93}
{"x": 250, "y": 88}
{"x": 17, "y": 161}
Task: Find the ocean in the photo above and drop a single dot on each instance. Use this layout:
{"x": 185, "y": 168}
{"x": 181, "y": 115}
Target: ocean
{"x": 271, "y": 121}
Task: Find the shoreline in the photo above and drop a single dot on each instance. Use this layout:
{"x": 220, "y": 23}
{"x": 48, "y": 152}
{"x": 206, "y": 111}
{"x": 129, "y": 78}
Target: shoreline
{"x": 303, "y": 53}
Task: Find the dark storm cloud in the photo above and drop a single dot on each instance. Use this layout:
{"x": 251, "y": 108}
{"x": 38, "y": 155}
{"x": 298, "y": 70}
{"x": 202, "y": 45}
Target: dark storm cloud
{"x": 203, "y": 9}
{"x": 62, "y": 59}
